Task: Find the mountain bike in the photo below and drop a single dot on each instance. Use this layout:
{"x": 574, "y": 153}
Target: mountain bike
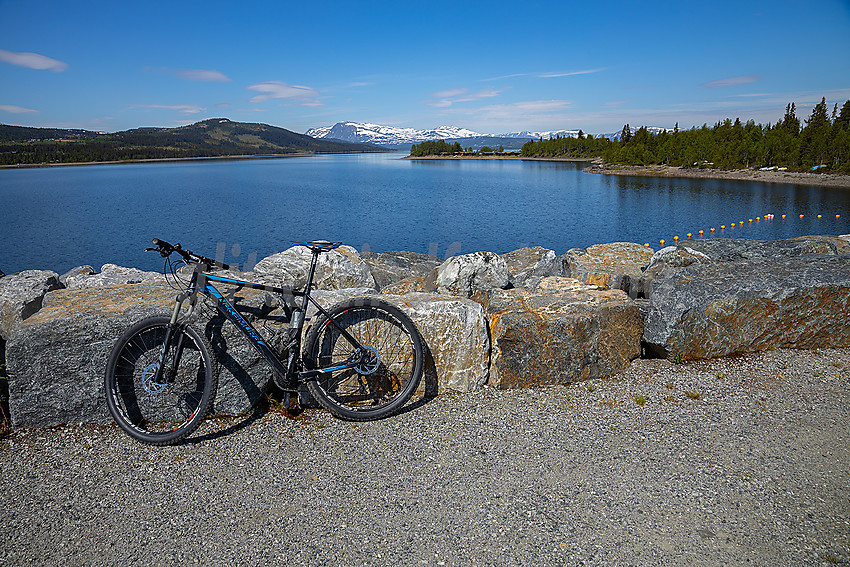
{"x": 362, "y": 359}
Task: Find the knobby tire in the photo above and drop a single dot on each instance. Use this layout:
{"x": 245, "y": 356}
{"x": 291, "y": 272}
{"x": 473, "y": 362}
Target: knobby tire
{"x": 374, "y": 392}
{"x": 164, "y": 412}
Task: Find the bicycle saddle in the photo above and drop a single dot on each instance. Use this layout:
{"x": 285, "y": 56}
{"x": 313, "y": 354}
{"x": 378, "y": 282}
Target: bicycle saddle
{"x": 320, "y": 245}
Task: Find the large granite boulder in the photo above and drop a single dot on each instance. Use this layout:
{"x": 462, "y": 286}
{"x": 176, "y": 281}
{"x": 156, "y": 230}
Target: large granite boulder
{"x": 617, "y": 265}
{"x": 337, "y": 269}
{"x": 466, "y": 274}
{"x": 527, "y": 266}
{"x": 707, "y": 251}
{"x": 456, "y": 339}
{"x": 110, "y": 274}
{"x": 454, "y": 330}
{"x": 565, "y": 332}
{"x": 56, "y": 359}
{"x": 724, "y": 308}
{"x": 21, "y": 296}
{"x": 389, "y": 268}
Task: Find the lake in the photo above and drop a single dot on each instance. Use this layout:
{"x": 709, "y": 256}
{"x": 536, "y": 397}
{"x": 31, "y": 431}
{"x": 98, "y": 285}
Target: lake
{"x": 243, "y": 210}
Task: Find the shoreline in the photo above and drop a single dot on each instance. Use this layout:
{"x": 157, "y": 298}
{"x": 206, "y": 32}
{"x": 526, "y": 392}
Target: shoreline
{"x": 511, "y": 157}
{"x": 793, "y": 178}
{"x": 166, "y": 160}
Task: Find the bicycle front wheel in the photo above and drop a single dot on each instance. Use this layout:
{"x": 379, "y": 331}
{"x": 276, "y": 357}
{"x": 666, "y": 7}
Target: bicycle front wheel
{"x": 160, "y": 408}
{"x": 381, "y": 383}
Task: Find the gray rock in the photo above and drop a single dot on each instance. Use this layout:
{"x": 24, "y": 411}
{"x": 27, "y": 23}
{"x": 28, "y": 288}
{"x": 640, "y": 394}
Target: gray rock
{"x": 674, "y": 257}
{"x": 527, "y": 266}
{"x": 616, "y": 265}
{"x": 466, "y": 274}
{"x": 56, "y": 359}
{"x": 724, "y": 308}
{"x": 735, "y": 249}
{"x": 110, "y": 274}
{"x": 338, "y": 269}
{"x": 456, "y": 339}
{"x": 454, "y": 330}
{"x": 78, "y": 271}
{"x": 389, "y": 268}
{"x": 564, "y": 332}
{"x": 21, "y": 296}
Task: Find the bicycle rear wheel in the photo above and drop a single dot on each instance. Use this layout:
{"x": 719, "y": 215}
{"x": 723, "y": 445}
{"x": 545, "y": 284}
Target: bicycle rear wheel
{"x": 379, "y": 386}
{"x": 164, "y": 411}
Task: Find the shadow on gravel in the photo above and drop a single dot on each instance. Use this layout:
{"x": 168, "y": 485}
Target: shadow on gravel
{"x": 428, "y": 387}
{"x": 272, "y": 402}
{"x": 260, "y": 409}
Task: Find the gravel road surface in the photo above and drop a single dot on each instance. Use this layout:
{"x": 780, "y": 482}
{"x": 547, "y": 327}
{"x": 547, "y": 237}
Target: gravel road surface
{"x": 737, "y": 461}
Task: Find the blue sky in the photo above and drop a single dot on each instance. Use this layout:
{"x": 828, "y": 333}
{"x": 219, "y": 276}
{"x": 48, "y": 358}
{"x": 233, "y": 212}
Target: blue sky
{"x": 492, "y": 67}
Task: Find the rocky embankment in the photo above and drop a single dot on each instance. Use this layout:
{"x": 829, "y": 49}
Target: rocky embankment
{"x": 766, "y": 176}
{"x": 521, "y": 319}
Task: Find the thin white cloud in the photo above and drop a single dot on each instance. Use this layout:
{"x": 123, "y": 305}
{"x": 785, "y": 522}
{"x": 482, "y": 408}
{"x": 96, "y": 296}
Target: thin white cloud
{"x": 182, "y": 108}
{"x": 448, "y": 93}
{"x": 568, "y": 73}
{"x": 15, "y": 109}
{"x": 305, "y": 96}
{"x": 547, "y": 75}
{"x": 731, "y": 82}
{"x": 446, "y": 98}
{"x": 32, "y": 61}
{"x": 202, "y": 75}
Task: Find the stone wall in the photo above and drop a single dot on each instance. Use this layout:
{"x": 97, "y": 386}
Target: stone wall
{"x": 521, "y": 319}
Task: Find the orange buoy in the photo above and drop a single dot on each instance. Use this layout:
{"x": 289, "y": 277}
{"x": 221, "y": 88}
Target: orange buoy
{"x": 801, "y": 216}
{"x": 758, "y": 219}
{"x": 819, "y": 216}
{"x": 722, "y": 227}
{"x": 701, "y": 233}
{"x": 646, "y": 245}
{"x": 662, "y": 242}
{"x": 689, "y": 235}
{"x": 712, "y": 230}
{"x": 675, "y": 239}
{"x": 751, "y": 220}
{"x": 838, "y": 216}
{"x": 783, "y": 216}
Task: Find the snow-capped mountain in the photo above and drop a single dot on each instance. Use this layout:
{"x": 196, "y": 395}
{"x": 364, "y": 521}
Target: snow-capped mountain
{"x": 539, "y": 135}
{"x": 366, "y": 133}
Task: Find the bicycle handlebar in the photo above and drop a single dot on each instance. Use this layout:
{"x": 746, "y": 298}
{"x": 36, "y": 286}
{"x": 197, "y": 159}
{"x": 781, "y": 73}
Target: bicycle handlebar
{"x": 165, "y": 249}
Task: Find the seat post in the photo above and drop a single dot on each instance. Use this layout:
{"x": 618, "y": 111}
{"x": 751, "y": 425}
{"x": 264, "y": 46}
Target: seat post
{"x": 310, "y": 275}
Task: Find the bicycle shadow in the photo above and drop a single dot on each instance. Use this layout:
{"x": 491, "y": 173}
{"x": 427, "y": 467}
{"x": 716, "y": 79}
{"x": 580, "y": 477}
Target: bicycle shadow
{"x": 428, "y": 387}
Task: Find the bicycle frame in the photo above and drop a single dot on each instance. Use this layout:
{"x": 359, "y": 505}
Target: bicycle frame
{"x": 201, "y": 282}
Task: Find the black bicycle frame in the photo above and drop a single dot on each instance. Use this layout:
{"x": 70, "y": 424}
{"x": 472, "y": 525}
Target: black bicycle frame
{"x": 201, "y": 283}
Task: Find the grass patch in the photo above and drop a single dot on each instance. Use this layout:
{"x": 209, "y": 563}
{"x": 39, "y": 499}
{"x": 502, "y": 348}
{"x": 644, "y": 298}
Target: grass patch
{"x": 693, "y": 394}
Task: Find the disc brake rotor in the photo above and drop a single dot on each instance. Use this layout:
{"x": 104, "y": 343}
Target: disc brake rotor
{"x": 148, "y": 380}
{"x": 369, "y": 362}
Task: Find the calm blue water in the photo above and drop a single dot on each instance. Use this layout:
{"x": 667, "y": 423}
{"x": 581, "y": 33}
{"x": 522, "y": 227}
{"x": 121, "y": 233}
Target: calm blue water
{"x": 243, "y": 210}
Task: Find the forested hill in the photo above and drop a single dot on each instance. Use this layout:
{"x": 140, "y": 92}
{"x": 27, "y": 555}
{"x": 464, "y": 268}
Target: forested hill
{"x": 822, "y": 143}
{"x": 210, "y": 138}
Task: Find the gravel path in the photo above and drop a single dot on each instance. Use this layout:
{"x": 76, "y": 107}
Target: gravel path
{"x": 739, "y": 461}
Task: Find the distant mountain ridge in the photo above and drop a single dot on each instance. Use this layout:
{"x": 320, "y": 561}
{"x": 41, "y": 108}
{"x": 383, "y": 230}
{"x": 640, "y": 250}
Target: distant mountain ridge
{"x": 216, "y": 137}
{"x": 368, "y": 133}
{"x": 392, "y": 136}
